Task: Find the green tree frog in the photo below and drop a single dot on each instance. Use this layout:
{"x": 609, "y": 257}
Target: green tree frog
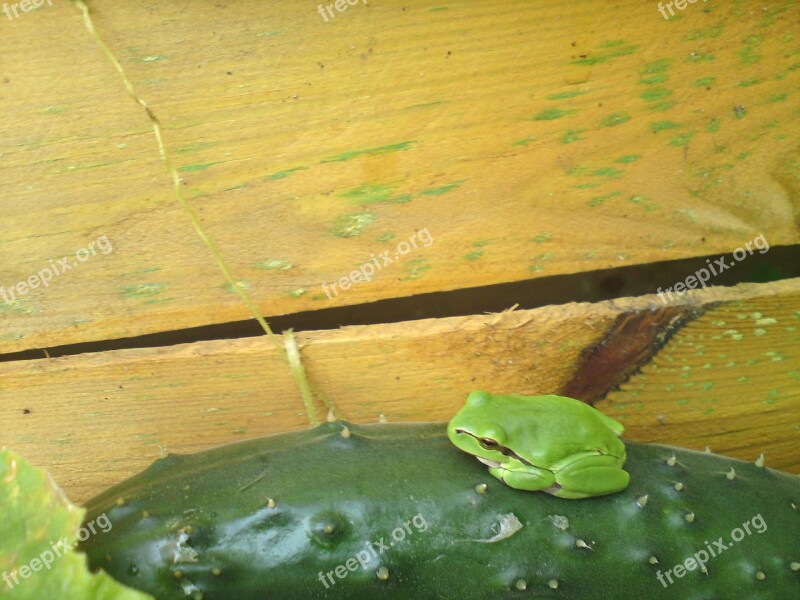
{"x": 553, "y": 444}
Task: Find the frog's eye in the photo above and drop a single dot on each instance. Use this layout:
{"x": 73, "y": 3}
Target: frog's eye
{"x": 488, "y": 443}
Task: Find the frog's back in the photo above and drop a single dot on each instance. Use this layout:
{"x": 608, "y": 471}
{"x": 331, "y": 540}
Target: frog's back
{"x": 572, "y": 420}
{"x": 558, "y": 406}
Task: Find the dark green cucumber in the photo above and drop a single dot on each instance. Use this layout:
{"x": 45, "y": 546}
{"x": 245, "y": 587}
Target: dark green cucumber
{"x": 276, "y": 517}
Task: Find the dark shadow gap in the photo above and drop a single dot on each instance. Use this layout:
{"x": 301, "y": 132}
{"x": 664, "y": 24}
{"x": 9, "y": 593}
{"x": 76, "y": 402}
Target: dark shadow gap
{"x": 778, "y": 263}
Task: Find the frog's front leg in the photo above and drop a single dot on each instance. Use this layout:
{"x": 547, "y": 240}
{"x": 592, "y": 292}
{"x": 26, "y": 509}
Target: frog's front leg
{"x": 528, "y": 478}
{"x": 590, "y": 475}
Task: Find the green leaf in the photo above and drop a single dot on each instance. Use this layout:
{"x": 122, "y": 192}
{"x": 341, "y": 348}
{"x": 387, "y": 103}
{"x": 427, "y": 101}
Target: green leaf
{"x": 39, "y": 529}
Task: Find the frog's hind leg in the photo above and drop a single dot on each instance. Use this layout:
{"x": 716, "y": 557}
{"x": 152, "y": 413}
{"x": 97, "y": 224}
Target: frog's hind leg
{"x": 593, "y": 475}
{"x": 530, "y": 480}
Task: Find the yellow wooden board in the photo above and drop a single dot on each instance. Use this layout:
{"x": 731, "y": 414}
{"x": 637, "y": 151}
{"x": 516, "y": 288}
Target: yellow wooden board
{"x": 526, "y": 138}
{"x": 726, "y": 377}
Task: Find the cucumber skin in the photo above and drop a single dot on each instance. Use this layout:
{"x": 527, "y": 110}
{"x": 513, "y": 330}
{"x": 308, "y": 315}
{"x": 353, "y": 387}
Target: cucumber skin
{"x": 382, "y": 476}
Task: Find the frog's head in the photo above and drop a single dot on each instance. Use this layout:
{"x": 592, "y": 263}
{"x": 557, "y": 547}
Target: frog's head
{"x": 476, "y": 430}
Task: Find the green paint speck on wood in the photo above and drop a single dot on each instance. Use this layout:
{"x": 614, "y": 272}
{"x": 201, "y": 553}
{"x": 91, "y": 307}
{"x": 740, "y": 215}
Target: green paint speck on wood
{"x": 285, "y": 173}
{"x": 614, "y": 119}
{"x": 443, "y": 189}
{"x": 198, "y": 167}
{"x": 662, "y": 126}
{"x": 400, "y": 147}
{"x": 352, "y": 225}
{"x": 143, "y": 290}
{"x": 550, "y": 114}
{"x": 274, "y": 264}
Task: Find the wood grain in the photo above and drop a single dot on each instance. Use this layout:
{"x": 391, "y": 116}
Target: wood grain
{"x": 727, "y": 378}
{"x": 529, "y": 138}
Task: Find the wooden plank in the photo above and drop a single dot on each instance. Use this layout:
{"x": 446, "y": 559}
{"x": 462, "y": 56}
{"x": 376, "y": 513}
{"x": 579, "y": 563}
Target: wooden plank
{"x": 528, "y": 138}
{"x": 724, "y": 374}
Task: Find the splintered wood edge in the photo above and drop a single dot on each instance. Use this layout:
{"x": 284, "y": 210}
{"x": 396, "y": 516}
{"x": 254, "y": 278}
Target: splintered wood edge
{"x": 94, "y": 419}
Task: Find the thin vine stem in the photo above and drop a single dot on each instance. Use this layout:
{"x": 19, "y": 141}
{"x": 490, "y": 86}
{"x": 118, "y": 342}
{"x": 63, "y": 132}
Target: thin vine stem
{"x": 290, "y": 351}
